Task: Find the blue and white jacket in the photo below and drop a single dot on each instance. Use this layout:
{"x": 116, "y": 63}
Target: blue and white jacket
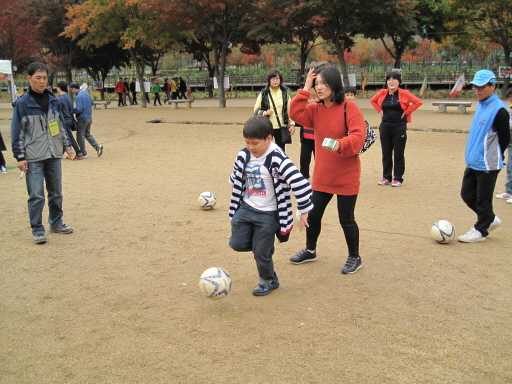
{"x": 483, "y": 150}
{"x": 284, "y": 175}
{"x": 31, "y": 139}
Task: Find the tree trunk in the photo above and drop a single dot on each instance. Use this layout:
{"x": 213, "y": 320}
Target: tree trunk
{"x": 219, "y": 72}
{"x": 211, "y": 74}
{"x": 341, "y": 58}
{"x": 303, "y": 58}
{"x": 69, "y": 76}
{"x": 139, "y": 75}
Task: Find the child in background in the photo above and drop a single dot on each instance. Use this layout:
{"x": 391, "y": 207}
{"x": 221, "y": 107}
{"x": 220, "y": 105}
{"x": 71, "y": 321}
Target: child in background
{"x": 350, "y": 93}
{"x": 155, "y": 89}
{"x": 307, "y": 142}
{"x": 260, "y": 206}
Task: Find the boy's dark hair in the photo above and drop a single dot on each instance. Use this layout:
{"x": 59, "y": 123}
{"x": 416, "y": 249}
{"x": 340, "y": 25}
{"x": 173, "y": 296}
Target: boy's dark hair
{"x": 351, "y": 90}
{"x": 34, "y": 67}
{"x": 508, "y": 95}
{"x": 133, "y": 78}
{"x": 394, "y": 75}
{"x": 258, "y": 127}
{"x": 74, "y": 85}
{"x": 272, "y": 74}
{"x": 332, "y": 78}
{"x": 63, "y": 86}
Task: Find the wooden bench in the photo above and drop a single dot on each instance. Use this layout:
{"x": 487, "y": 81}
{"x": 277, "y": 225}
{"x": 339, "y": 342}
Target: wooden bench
{"x": 461, "y": 105}
{"x": 175, "y": 103}
{"x": 103, "y": 103}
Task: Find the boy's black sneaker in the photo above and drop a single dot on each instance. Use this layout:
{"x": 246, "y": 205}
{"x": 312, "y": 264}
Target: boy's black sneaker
{"x": 262, "y": 290}
{"x": 352, "y": 265}
{"x": 303, "y": 256}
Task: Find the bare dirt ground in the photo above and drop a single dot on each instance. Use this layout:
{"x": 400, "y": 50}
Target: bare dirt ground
{"x": 118, "y": 301}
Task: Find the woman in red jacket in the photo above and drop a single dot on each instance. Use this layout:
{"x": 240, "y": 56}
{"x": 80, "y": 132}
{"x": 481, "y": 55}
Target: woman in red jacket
{"x": 337, "y": 167}
{"x": 395, "y": 106}
{"x": 120, "y": 89}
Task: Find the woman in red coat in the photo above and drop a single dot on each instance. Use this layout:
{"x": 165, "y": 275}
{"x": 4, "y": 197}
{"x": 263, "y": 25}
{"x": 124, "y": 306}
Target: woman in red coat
{"x": 337, "y": 168}
{"x": 395, "y": 106}
{"x": 120, "y": 89}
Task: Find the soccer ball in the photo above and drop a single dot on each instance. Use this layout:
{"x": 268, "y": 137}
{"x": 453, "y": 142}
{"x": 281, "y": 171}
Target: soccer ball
{"x": 215, "y": 283}
{"x": 207, "y": 201}
{"x": 443, "y": 231}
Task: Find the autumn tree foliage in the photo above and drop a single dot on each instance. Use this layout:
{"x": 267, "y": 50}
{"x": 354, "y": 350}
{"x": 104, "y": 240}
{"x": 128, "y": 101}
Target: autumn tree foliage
{"x": 56, "y": 51}
{"x": 292, "y": 22}
{"x": 483, "y": 20}
{"x": 98, "y": 62}
{"x": 132, "y": 24}
{"x": 398, "y": 22}
{"x": 221, "y": 23}
{"x": 341, "y": 21}
{"x": 19, "y": 40}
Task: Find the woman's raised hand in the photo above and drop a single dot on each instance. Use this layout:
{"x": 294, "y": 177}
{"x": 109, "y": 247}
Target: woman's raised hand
{"x": 310, "y": 78}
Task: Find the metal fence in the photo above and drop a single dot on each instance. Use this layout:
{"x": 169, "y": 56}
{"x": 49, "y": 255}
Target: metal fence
{"x": 292, "y": 79}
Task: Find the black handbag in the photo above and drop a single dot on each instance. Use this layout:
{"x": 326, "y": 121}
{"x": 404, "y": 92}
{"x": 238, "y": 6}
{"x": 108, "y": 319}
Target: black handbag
{"x": 74, "y": 127}
{"x": 370, "y": 134}
{"x": 286, "y": 138}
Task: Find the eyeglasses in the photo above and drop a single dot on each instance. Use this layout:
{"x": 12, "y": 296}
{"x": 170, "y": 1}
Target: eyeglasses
{"x": 480, "y": 87}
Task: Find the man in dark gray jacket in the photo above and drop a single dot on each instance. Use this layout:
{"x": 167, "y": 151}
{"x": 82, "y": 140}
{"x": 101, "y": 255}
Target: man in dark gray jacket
{"x": 39, "y": 140}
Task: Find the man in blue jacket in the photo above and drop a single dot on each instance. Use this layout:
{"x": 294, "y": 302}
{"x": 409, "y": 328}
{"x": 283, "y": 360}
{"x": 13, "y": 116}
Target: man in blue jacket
{"x": 488, "y": 138}
{"x": 83, "y": 112}
{"x": 39, "y": 140}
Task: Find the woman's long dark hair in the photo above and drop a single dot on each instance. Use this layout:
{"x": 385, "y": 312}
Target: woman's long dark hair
{"x": 332, "y": 78}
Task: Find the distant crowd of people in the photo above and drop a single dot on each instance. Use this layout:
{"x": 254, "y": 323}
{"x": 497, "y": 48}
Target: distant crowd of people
{"x": 174, "y": 89}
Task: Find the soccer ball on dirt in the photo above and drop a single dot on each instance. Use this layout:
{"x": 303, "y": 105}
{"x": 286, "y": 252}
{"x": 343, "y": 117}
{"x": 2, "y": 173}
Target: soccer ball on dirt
{"x": 215, "y": 283}
{"x": 207, "y": 201}
{"x": 443, "y": 231}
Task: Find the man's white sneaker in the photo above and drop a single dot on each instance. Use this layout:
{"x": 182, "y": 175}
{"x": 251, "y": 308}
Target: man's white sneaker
{"x": 504, "y": 195}
{"x": 471, "y": 236}
{"x": 495, "y": 224}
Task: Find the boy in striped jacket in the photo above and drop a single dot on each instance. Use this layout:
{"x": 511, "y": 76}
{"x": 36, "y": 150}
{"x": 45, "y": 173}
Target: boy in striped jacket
{"x": 261, "y": 206}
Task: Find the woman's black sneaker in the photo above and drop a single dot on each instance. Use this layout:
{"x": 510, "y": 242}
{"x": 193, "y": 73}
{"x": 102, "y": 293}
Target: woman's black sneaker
{"x": 352, "y": 265}
{"x": 303, "y": 256}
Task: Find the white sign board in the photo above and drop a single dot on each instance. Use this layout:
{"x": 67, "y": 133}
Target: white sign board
{"x": 226, "y": 83}
{"x": 351, "y": 80}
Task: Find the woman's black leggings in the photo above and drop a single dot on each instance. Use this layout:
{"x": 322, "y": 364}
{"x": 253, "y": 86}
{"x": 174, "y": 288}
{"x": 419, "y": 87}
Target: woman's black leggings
{"x": 346, "y": 206}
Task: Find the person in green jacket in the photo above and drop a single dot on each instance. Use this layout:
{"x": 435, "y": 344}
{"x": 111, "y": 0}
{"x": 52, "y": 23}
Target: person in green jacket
{"x": 155, "y": 88}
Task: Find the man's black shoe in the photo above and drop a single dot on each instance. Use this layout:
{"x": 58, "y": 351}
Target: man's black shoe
{"x": 303, "y": 256}
{"x": 352, "y": 265}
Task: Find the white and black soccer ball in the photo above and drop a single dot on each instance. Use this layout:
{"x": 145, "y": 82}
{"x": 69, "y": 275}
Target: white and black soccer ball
{"x": 215, "y": 283}
{"x": 443, "y": 231}
{"x": 207, "y": 201}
